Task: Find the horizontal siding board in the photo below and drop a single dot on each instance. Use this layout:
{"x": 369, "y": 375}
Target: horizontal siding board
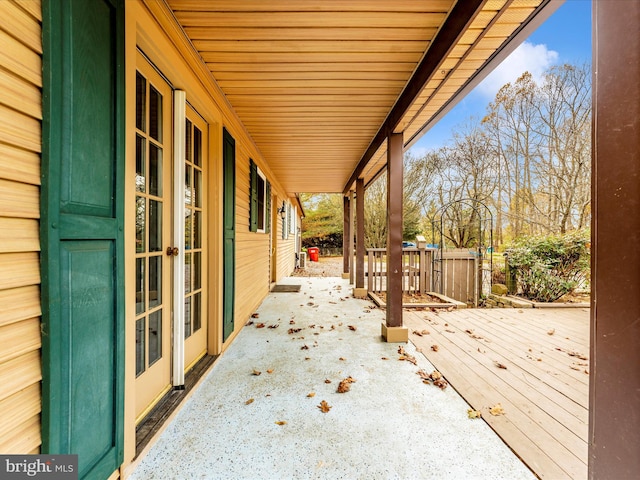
{"x": 19, "y": 304}
{"x": 19, "y": 165}
{"x": 20, "y": 130}
{"x": 20, "y": 59}
{"x": 19, "y": 373}
{"x": 19, "y": 200}
{"x": 19, "y": 338}
{"x": 32, "y": 7}
{"x": 21, "y": 24}
{"x": 20, "y": 95}
{"x": 24, "y": 438}
{"x": 18, "y": 408}
{"x": 19, "y": 270}
{"x": 19, "y": 235}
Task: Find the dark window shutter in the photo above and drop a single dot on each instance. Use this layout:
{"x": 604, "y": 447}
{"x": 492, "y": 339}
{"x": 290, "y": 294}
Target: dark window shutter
{"x": 253, "y": 197}
{"x": 267, "y": 222}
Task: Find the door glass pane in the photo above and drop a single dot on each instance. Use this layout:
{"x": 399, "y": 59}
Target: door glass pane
{"x": 187, "y": 273}
{"x": 197, "y": 146}
{"x": 155, "y": 114}
{"x": 187, "y": 317}
{"x": 140, "y": 285}
{"x": 188, "y": 140}
{"x": 197, "y": 276}
{"x": 188, "y": 228}
{"x": 197, "y": 312}
{"x": 155, "y": 226}
{"x": 197, "y": 229}
{"x": 155, "y": 281}
{"x": 141, "y": 100}
{"x": 155, "y": 170}
{"x": 140, "y": 164}
{"x": 197, "y": 187}
{"x": 155, "y": 336}
{"x": 187, "y": 185}
{"x": 140, "y": 367}
{"x": 140, "y": 221}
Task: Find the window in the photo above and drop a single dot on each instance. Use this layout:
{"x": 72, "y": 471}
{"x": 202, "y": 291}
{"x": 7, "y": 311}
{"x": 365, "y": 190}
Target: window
{"x": 259, "y": 201}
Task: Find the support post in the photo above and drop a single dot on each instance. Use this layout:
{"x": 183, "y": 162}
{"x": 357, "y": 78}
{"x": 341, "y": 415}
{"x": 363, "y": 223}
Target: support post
{"x": 360, "y": 291}
{"x": 614, "y": 387}
{"x": 352, "y": 212}
{"x": 346, "y": 252}
{"x": 393, "y": 330}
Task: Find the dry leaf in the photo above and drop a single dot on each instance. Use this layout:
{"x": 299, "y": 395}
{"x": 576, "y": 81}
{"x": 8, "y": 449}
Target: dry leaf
{"x": 274, "y": 326}
{"x": 499, "y": 365}
{"x": 312, "y": 326}
{"x": 449, "y": 331}
{"x": 249, "y": 402}
{"x": 270, "y": 370}
{"x": 307, "y": 358}
{"x": 435, "y": 348}
{"x": 304, "y": 347}
{"x": 551, "y": 332}
{"x": 352, "y": 327}
{"x": 281, "y": 422}
{"x": 474, "y": 413}
{"x": 415, "y": 332}
{"x": 327, "y": 381}
{"x": 249, "y": 323}
{"x": 384, "y": 358}
{"x": 311, "y": 394}
{"x": 255, "y": 315}
{"x": 496, "y": 410}
{"x": 342, "y": 359}
{"x": 345, "y": 385}
{"x": 256, "y": 372}
{"x": 260, "y": 325}
{"x": 291, "y": 331}
{"x": 292, "y": 322}
{"x": 324, "y": 406}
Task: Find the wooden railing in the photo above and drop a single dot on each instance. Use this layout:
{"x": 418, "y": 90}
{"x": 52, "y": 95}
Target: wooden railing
{"x": 454, "y": 275}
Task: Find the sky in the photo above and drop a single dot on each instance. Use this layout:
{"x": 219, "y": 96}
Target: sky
{"x": 564, "y": 38}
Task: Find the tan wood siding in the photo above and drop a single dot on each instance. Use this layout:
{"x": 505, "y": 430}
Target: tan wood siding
{"x": 20, "y": 147}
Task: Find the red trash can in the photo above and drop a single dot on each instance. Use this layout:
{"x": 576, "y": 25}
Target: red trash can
{"x": 314, "y": 253}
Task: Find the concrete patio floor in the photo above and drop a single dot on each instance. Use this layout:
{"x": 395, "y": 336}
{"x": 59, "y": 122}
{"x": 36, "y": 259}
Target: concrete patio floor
{"x": 389, "y": 425}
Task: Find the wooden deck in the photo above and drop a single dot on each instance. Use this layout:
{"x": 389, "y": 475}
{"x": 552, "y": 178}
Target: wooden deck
{"x": 544, "y": 389}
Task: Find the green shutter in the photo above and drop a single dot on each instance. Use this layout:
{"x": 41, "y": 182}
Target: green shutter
{"x": 81, "y": 230}
{"x": 229, "y": 243}
{"x": 253, "y": 197}
{"x": 268, "y": 209}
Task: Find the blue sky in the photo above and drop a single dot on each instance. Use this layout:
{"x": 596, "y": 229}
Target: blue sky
{"x": 564, "y": 38}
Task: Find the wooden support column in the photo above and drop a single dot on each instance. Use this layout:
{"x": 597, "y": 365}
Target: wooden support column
{"x": 352, "y": 212}
{"x": 359, "y": 291}
{"x": 614, "y": 388}
{"x": 346, "y": 229}
{"x": 393, "y": 330}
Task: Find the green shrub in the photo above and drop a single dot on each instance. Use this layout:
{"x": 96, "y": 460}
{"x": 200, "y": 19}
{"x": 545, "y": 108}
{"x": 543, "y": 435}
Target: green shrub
{"x": 546, "y": 268}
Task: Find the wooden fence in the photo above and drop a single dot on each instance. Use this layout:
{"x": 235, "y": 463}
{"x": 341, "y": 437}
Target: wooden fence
{"x": 454, "y": 275}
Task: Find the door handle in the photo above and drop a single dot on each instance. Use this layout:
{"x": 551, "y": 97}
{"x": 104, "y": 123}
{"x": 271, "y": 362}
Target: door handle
{"x": 172, "y": 251}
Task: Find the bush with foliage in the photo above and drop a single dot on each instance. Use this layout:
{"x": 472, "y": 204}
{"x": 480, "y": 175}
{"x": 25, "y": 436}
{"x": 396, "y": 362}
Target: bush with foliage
{"x": 546, "y": 268}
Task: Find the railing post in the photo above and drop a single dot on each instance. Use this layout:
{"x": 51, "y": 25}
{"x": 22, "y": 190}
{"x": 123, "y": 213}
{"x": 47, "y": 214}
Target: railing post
{"x": 359, "y": 291}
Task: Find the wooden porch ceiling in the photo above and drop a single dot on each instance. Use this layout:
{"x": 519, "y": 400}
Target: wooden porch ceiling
{"x": 315, "y": 81}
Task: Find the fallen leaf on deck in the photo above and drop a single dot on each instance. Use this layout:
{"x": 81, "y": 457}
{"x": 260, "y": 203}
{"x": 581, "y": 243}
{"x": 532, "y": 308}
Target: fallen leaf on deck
{"x": 260, "y": 325}
{"x": 474, "y": 413}
{"x": 551, "y": 332}
{"x": 255, "y": 315}
{"x": 256, "y": 372}
{"x": 435, "y": 348}
{"x": 500, "y": 365}
{"x": 450, "y": 331}
{"x": 311, "y": 394}
{"x": 480, "y": 351}
{"x": 281, "y": 422}
{"x": 352, "y": 327}
{"x": 324, "y": 406}
{"x": 249, "y": 402}
{"x": 345, "y": 385}
{"x": 496, "y": 410}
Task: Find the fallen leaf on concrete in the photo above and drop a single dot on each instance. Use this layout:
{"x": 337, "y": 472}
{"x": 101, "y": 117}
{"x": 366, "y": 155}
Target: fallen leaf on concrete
{"x": 274, "y": 326}
{"x": 474, "y": 413}
{"x": 435, "y": 348}
{"x": 327, "y": 381}
{"x": 281, "y": 422}
{"x": 291, "y": 331}
{"x": 324, "y": 406}
{"x": 256, "y": 372}
{"x": 405, "y": 356}
{"x": 551, "y": 332}
{"x": 496, "y": 410}
{"x": 249, "y": 323}
{"x": 342, "y": 359}
{"x": 270, "y": 370}
{"x": 311, "y": 394}
{"x": 384, "y": 358}
{"x": 307, "y": 358}
{"x": 304, "y": 347}
{"x": 292, "y": 322}
{"x": 255, "y": 315}
{"x": 500, "y": 365}
{"x": 260, "y": 325}
{"x": 312, "y": 326}
{"x": 345, "y": 385}
{"x": 310, "y": 304}
{"x": 249, "y": 402}
{"x": 353, "y": 328}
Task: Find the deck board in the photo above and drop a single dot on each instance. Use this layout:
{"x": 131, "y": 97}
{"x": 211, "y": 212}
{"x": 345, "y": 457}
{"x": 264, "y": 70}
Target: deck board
{"x": 544, "y": 390}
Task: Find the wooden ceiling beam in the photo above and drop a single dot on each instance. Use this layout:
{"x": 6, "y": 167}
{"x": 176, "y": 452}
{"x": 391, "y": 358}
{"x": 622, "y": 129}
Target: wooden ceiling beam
{"x": 461, "y": 16}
